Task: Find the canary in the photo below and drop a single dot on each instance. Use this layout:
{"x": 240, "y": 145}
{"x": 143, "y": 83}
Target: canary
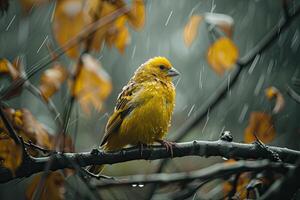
{"x": 143, "y": 109}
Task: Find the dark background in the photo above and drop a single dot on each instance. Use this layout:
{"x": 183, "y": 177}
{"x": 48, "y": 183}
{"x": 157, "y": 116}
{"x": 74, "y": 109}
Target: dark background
{"x": 277, "y": 66}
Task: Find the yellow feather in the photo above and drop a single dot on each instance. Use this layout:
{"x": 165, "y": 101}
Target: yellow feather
{"x": 144, "y": 108}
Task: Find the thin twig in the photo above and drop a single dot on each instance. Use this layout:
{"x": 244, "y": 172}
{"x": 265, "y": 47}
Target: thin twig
{"x": 49, "y": 103}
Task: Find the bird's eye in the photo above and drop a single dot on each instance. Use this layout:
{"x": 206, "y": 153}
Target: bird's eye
{"x": 162, "y": 67}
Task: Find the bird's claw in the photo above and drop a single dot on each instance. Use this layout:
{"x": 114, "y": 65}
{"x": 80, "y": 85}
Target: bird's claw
{"x": 169, "y": 145}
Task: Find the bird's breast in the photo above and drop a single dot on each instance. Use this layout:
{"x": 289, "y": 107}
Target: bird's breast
{"x": 150, "y": 121}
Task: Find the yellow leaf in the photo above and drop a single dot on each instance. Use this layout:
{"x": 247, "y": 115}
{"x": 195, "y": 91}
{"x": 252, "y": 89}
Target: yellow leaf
{"x": 273, "y": 92}
{"x": 10, "y": 153}
{"x": 52, "y": 79}
{"x": 222, "y": 55}
{"x": 29, "y": 129}
{"x": 261, "y": 124}
{"x": 191, "y": 29}
{"x": 7, "y": 68}
{"x": 122, "y": 39}
{"x": 137, "y": 14}
{"x": 69, "y": 20}
{"x": 241, "y": 187}
{"x": 118, "y": 35}
{"x": 93, "y": 84}
{"x": 53, "y": 188}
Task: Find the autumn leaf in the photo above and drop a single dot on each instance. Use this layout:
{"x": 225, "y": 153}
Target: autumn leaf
{"x": 222, "y": 55}
{"x": 118, "y": 35}
{"x": 69, "y": 20}
{"x": 52, "y": 79}
{"x": 261, "y": 124}
{"x": 241, "y": 191}
{"x": 191, "y": 29}
{"x": 54, "y": 187}
{"x": 29, "y": 129}
{"x": 273, "y": 93}
{"x": 15, "y": 71}
{"x": 10, "y": 153}
{"x": 7, "y": 67}
{"x": 137, "y": 14}
{"x": 223, "y": 22}
{"x": 93, "y": 84}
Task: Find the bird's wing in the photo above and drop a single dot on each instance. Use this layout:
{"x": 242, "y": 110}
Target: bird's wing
{"x": 124, "y": 106}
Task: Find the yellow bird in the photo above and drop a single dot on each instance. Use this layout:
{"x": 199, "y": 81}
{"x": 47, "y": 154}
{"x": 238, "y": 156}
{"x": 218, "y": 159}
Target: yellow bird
{"x": 144, "y": 108}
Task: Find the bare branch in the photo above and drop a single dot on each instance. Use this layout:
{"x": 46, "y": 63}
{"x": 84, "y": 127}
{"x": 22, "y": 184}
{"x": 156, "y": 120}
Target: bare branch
{"x": 216, "y": 171}
{"x": 196, "y": 148}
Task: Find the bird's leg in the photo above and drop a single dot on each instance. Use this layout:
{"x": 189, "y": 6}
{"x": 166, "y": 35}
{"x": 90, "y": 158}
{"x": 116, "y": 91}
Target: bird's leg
{"x": 169, "y": 145}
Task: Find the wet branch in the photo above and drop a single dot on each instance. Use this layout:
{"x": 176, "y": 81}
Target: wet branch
{"x": 210, "y": 173}
{"x": 195, "y": 148}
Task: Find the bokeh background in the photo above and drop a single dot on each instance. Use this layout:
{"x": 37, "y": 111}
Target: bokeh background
{"x": 163, "y": 36}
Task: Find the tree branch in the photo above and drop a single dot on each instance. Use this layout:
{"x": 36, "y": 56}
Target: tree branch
{"x": 195, "y": 148}
{"x": 216, "y": 171}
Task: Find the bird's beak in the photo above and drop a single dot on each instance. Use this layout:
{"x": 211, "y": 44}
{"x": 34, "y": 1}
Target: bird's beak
{"x": 173, "y": 72}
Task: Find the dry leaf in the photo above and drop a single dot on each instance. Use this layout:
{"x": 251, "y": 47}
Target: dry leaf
{"x": 93, "y": 84}
{"x": 7, "y": 68}
{"x": 10, "y": 153}
{"x": 52, "y": 79}
{"x": 241, "y": 191}
{"x": 261, "y": 124}
{"x": 53, "y": 188}
{"x": 29, "y": 129}
{"x": 224, "y": 22}
{"x": 69, "y": 20}
{"x": 191, "y": 29}
{"x": 137, "y": 14}
{"x": 271, "y": 93}
{"x": 118, "y": 35}
{"x": 222, "y": 55}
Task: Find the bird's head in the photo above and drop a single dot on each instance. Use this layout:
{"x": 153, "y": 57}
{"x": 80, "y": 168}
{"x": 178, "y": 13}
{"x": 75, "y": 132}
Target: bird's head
{"x": 159, "y": 67}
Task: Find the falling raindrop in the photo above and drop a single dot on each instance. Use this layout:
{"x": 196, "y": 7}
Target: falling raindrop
{"x": 42, "y": 44}
{"x": 134, "y": 185}
{"x": 133, "y": 52}
{"x": 194, "y": 8}
{"x": 253, "y": 64}
{"x": 207, "y": 118}
{"x": 11, "y": 21}
{"x": 270, "y": 66}
{"x": 191, "y": 110}
{"x": 259, "y": 85}
{"x": 167, "y": 22}
{"x": 243, "y": 113}
{"x": 295, "y": 41}
{"x": 200, "y": 79}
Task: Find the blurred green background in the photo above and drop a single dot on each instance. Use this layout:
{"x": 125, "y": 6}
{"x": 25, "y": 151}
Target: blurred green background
{"x": 163, "y": 36}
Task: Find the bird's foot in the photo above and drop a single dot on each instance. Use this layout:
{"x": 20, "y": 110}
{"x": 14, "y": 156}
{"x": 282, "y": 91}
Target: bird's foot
{"x": 169, "y": 145}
